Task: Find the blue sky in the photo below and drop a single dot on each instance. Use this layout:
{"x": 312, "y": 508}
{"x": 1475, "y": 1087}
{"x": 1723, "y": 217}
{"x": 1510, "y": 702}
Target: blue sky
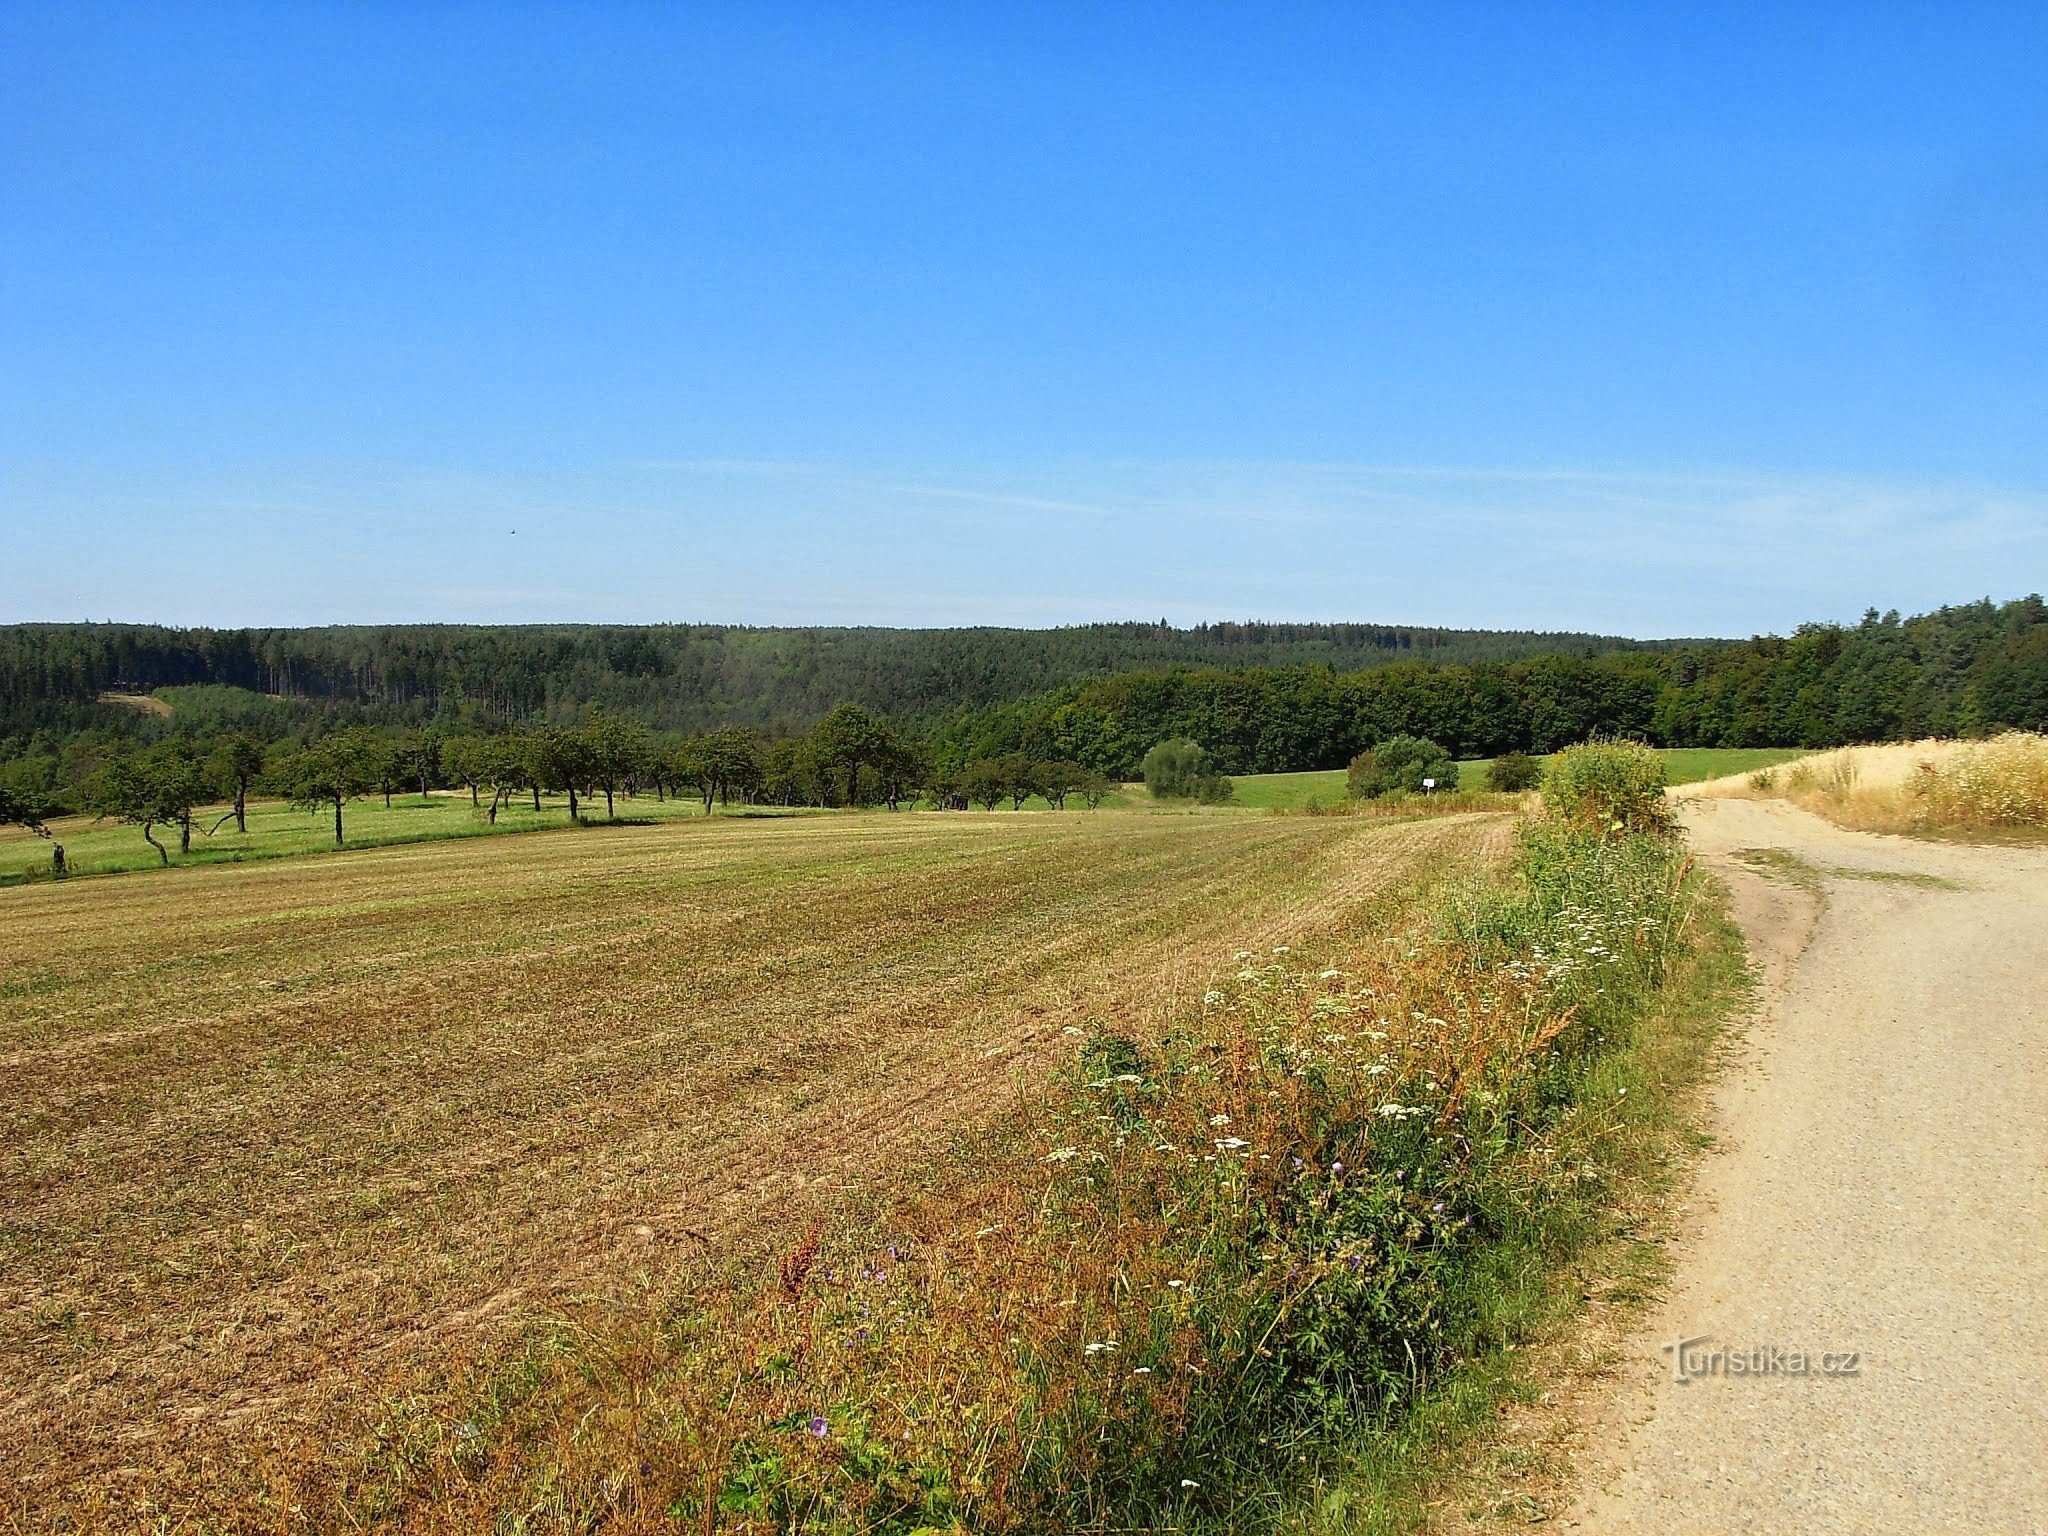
{"x": 1644, "y": 319}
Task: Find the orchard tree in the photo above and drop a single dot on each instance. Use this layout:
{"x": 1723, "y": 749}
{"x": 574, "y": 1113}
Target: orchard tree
{"x": 1057, "y": 780}
{"x": 725, "y": 762}
{"x": 501, "y": 763}
{"x": 155, "y": 787}
{"x": 901, "y": 768}
{"x": 985, "y": 783}
{"x": 613, "y": 750}
{"x": 389, "y": 763}
{"x": 559, "y": 760}
{"x": 466, "y": 759}
{"x": 1095, "y": 787}
{"x": 334, "y": 771}
{"x": 233, "y": 764}
{"x": 421, "y": 753}
{"x": 845, "y": 741}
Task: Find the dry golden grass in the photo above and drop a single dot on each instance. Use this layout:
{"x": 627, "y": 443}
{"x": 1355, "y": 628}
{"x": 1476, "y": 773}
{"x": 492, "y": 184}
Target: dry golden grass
{"x": 288, "y": 1141}
{"x": 1998, "y": 786}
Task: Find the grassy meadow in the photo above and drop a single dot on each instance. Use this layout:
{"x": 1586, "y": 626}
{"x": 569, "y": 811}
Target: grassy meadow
{"x": 1682, "y": 765}
{"x": 279, "y": 830}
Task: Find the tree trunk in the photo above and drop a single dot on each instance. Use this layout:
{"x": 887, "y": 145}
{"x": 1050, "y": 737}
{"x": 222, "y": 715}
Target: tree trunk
{"x": 609, "y": 813}
{"x": 387, "y": 797}
{"x": 495, "y": 793}
{"x": 337, "y": 821}
{"x": 474, "y": 802}
{"x": 573, "y": 815}
{"x": 709, "y": 791}
{"x": 150, "y": 837}
{"x": 185, "y": 833}
{"x": 536, "y": 797}
{"x": 57, "y": 866}
{"x": 242, "y": 806}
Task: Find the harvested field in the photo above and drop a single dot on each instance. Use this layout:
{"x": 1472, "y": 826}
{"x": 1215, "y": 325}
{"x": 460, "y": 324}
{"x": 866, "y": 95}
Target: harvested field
{"x": 288, "y": 1139}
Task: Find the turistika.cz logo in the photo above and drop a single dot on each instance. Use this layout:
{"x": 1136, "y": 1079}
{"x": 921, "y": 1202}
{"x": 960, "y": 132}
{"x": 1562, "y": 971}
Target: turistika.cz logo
{"x": 1699, "y": 1358}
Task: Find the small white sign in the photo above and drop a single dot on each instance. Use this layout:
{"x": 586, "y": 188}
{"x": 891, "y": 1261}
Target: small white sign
{"x": 1429, "y": 783}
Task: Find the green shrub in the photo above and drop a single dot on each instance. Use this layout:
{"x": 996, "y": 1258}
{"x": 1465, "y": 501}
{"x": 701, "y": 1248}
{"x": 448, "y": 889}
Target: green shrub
{"x": 1614, "y": 787}
{"x": 1184, "y": 770}
{"x": 1401, "y": 764}
{"x": 1514, "y": 772}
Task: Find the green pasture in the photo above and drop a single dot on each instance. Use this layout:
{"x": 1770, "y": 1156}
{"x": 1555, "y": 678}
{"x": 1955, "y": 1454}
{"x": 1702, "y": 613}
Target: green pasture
{"x": 277, "y": 830}
{"x": 1683, "y": 765}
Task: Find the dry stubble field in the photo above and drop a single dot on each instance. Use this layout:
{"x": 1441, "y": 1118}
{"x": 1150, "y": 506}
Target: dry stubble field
{"x": 283, "y": 1141}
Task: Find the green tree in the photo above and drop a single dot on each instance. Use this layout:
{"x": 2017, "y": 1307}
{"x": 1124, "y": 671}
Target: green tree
{"x": 1059, "y": 779}
{"x": 1513, "y": 772}
{"x": 234, "y": 764}
{"x": 421, "y": 754}
{"x": 984, "y": 782}
{"x": 1020, "y": 778}
{"x": 725, "y": 763}
{"x": 558, "y": 759}
{"x": 158, "y": 786}
{"x": 844, "y": 741}
{"x": 467, "y": 759}
{"x": 613, "y": 750}
{"x": 387, "y": 761}
{"x": 1184, "y": 770}
{"x": 1406, "y": 764}
{"x": 900, "y": 766}
{"x": 334, "y": 771}
{"x": 501, "y": 763}
{"x": 1095, "y": 788}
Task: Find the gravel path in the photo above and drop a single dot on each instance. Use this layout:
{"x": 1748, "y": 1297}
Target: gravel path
{"x": 1878, "y": 1190}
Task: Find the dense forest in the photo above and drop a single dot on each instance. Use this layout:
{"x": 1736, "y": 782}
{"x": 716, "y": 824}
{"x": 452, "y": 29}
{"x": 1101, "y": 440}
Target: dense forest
{"x": 1957, "y": 672}
{"x": 372, "y": 723}
{"x": 671, "y": 677}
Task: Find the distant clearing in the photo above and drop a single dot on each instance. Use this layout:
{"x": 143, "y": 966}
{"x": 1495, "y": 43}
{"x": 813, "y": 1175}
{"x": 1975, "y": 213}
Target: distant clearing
{"x": 142, "y": 701}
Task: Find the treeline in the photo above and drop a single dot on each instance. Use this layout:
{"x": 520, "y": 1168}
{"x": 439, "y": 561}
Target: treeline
{"x": 850, "y": 758}
{"x": 674, "y": 677}
{"x": 1963, "y": 671}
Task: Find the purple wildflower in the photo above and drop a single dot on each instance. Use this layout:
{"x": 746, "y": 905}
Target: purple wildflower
{"x": 818, "y": 1427}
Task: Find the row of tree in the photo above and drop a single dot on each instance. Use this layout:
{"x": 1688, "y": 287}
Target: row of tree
{"x": 851, "y": 757}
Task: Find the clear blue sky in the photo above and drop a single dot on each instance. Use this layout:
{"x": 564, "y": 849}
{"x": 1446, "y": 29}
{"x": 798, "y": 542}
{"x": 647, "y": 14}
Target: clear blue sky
{"x": 1639, "y": 318}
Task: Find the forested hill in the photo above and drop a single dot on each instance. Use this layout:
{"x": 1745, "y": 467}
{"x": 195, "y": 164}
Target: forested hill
{"x": 1961, "y": 671}
{"x": 674, "y": 677}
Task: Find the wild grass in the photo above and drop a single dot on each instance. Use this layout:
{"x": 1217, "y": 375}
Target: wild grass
{"x": 1938, "y": 788}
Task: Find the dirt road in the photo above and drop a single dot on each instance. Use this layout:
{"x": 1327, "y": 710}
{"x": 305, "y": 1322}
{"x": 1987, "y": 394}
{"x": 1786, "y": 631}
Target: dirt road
{"x": 1865, "y": 1291}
